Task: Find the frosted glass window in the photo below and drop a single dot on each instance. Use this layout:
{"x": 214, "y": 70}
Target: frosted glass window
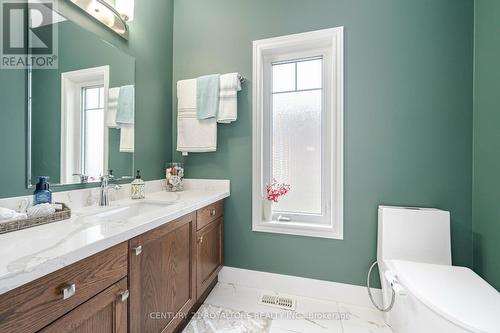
{"x": 296, "y": 153}
{"x": 93, "y": 131}
{"x": 92, "y": 98}
{"x": 309, "y": 74}
{"x": 94, "y": 142}
{"x": 297, "y": 135}
{"x": 284, "y": 77}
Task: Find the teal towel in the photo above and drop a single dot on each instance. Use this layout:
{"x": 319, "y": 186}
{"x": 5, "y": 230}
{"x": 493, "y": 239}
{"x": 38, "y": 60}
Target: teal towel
{"x": 125, "y": 109}
{"x": 207, "y": 96}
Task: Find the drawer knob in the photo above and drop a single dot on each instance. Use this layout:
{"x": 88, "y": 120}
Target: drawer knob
{"x": 69, "y": 291}
{"x": 200, "y": 239}
{"x": 213, "y": 212}
{"x": 137, "y": 250}
{"x": 123, "y": 296}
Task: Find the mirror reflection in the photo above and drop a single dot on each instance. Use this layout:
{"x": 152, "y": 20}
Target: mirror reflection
{"x": 81, "y": 115}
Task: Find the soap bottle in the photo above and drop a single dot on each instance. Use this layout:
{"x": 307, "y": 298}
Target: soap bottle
{"x": 42, "y": 192}
{"x": 137, "y": 188}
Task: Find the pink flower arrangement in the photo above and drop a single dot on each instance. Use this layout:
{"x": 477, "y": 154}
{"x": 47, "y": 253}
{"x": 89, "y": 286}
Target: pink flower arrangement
{"x": 276, "y": 190}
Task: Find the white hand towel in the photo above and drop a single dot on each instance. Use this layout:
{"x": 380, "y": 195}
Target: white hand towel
{"x": 112, "y": 107}
{"x": 126, "y": 138}
{"x": 229, "y": 86}
{"x": 8, "y": 215}
{"x": 41, "y": 210}
{"x": 193, "y": 135}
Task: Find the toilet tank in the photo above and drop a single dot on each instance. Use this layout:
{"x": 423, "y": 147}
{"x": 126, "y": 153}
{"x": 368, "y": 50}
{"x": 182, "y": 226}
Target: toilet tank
{"x": 414, "y": 234}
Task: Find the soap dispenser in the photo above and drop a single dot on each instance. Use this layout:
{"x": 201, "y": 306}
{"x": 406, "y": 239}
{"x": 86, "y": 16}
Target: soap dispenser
{"x": 137, "y": 188}
{"x": 42, "y": 192}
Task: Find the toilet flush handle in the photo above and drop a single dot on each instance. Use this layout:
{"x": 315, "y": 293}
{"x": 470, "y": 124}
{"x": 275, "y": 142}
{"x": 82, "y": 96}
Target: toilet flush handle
{"x": 394, "y": 282}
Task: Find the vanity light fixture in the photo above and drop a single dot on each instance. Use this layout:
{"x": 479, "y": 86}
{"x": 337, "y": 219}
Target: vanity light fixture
{"x": 106, "y": 14}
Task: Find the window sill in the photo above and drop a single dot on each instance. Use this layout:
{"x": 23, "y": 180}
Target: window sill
{"x": 297, "y": 229}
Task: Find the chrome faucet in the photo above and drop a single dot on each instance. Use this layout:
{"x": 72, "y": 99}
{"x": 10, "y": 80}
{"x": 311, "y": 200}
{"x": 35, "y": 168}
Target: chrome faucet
{"x": 104, "y": 194}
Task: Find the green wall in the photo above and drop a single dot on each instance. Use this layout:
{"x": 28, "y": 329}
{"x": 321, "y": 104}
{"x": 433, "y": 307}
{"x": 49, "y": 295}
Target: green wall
{"x": 408, "y": 115}
{"x": 486, "y": 190}
{"x": 150, "y": 44}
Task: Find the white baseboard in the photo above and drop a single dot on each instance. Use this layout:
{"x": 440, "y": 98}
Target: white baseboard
{"x": 293, "y": 285}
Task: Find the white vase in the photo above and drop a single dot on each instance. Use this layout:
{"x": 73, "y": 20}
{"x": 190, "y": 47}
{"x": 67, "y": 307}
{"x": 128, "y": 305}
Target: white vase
{"x": 267, "y": 210}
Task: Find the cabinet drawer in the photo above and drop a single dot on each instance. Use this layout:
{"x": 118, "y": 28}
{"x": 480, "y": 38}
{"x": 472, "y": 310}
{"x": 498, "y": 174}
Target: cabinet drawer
{"x": 208, "y": 214}
{"x": 106, "y": 312}
{"x": 36, "y": 304}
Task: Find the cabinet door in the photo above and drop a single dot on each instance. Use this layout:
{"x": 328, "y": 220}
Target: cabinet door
{"x": 162, "y": 280}
{"x": 209, "y": 254}
{"x": 104, "y": 313}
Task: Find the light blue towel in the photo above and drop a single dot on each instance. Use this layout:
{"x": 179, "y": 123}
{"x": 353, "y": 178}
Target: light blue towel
{"x": 207, "y": 96}
{"x": 125, "y": 109}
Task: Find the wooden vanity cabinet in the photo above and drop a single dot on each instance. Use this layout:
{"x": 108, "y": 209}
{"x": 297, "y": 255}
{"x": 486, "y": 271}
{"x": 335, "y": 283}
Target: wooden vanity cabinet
{"x": 162, "y": 276}
{"x": 149, "y": 284}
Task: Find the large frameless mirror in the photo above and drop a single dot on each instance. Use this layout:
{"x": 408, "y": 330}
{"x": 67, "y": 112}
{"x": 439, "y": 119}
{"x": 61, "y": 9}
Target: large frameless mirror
{"x": 81, "y": 114}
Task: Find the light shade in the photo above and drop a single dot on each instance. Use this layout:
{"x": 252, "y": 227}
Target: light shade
{"x": 104, "y": 13}
{"x": 125, "y": 8}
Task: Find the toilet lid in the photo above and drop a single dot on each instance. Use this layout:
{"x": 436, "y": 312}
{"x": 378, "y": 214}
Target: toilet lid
{"x": 456, "y": 293}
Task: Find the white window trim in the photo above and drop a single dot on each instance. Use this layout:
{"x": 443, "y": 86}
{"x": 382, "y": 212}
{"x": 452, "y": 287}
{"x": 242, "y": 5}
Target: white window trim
{"x": 71, "y": 85}
{"x": 262, "y": 49}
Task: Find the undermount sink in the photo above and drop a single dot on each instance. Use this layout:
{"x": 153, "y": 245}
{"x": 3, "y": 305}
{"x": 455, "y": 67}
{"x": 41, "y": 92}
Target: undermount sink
{"x": 129, "y": 211}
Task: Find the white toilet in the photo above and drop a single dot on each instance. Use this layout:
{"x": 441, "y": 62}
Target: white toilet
{"x": 414, "y": 256}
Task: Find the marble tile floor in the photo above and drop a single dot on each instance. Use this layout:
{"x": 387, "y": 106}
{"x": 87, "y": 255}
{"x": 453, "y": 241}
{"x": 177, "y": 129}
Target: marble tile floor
{"x": 234, "y": 309}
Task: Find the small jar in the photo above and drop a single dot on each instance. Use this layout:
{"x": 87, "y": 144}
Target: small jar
{"x": 174, "y": 175}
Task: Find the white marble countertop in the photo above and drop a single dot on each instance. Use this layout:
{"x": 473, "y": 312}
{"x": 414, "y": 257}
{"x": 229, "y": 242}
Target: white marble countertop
{"x": 29, "y": 254}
